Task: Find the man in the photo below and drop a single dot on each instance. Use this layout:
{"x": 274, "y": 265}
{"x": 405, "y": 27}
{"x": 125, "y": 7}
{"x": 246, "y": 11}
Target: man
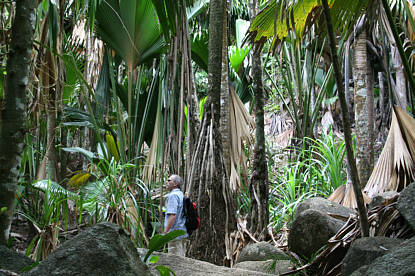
{"x": 174, "y": 219}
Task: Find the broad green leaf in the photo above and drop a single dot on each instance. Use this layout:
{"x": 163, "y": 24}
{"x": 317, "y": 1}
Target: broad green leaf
{"x": 154, "y": 259}
{"x": 159, "y": 240}
{"x": 88, "y": 154}
{"x": 114, "y": 147}
{"x": 78, "y": 180}
{"x": 130, "y": 28}
{"x": 53, "y": 187}
{"x": 237, "y": 56}
{"x": 278, "y": 18}
{"x": 165, "y": 270}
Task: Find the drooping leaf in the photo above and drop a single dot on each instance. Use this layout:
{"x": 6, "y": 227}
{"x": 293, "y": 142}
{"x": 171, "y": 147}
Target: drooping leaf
{"x": 165, "y": 270}
{"x": 88, "y": 154}
{"x": 114, "y": 147}
{"x": 279, "y": 17}
{"x": 78, "y": 180}
{"x": 53, "y": 187}
{"x": 159, "y": 240}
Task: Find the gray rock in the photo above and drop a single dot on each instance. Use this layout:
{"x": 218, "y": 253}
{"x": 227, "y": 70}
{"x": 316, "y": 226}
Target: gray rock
{"x": 104, "y": 249}
{"x": 361, "y": 271}
{"x": 275, "y": 267}
{"x": 382, "y": 198}
{"x": 261, "y": 251}
{"x": 323, "y": 205}
{"x": 310, "y": 230}
{"x": 400, "y": 261}
{"x": 406, "y": 204}
{"x": 13, "y": 261}
{"x": 183, "y": 266}
{"x": 363, "y": 251}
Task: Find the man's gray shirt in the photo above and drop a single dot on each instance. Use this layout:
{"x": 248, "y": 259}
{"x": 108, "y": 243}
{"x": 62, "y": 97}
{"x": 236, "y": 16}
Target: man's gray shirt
{"x": 174, "y": 205}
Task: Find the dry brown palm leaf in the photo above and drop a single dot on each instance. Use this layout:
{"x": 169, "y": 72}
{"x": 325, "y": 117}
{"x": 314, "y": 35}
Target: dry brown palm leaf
{"x": 395, "y": 167}
{"x": 384, "y": 220}
{"x": 240, "y": 124}
{"x": 150, "y": 167}
{"x": 344, "y": 195}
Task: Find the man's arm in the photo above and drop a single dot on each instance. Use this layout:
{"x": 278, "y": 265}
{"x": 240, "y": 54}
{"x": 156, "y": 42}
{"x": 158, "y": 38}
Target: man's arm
{"x": 170, "y": 223}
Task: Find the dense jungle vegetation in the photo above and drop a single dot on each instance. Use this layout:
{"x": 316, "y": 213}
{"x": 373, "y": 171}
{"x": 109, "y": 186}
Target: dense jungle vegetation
{"x": 258, "y": 105}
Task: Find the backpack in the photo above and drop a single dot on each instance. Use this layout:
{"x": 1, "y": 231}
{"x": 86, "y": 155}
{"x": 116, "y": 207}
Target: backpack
{"x": 191, "y": 215}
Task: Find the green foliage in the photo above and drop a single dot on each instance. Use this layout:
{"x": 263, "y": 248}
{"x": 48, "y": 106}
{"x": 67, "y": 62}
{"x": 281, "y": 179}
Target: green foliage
{"x": 3, "y": 209}
{"x": 330, "y": 155}
{"x": 317, "y": 171}
{"x": 47, "y": 210}
{"x": 299, "y": 66}
{"x": 160, "y": 240}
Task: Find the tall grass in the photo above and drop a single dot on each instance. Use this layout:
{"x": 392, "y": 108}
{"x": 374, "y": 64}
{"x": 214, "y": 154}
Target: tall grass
{"x": 317, "y": 170}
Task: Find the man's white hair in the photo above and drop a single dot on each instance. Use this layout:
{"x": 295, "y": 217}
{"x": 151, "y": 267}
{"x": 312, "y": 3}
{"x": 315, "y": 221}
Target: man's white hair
{"x": 176, "y": 178}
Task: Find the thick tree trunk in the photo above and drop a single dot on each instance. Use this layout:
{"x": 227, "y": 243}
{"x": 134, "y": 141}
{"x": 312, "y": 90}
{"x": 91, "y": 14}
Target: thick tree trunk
{"x": 258, "y": 187}
{"x": 211, "y": 188}
{"x": 13, "y": 115}
{"x": 363, "y": 128}
{"x": 225, "y": 97}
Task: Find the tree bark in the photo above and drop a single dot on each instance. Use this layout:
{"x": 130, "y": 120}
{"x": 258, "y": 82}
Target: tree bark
{"x": 12, "y": 124}
{"x": 364, "y": 225}
{"x": 211, "y": 188}
{"x": 225, "y": 97}
{"x": 258, "y": 187}
{"x": 363, "y": 128}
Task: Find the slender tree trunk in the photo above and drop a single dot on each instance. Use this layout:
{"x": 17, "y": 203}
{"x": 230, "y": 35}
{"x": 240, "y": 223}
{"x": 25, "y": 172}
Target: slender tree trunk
{"x": 258, "y": 187}
{"x": 363, "y": 128}
{"x": 364, "y": 225}
{"x": 13, "y": 114}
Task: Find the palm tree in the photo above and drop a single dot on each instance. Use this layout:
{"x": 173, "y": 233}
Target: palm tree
{"x": 210, "y": 186}
{"x": 13, "y": 115}
{"x": 363, "y": 103}
{"x": 259, "y": 211}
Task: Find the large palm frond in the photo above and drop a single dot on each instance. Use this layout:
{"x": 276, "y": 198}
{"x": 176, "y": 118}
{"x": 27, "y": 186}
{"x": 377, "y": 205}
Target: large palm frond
{"x": 280, "y": 17}
{"x": 131, "y": 28}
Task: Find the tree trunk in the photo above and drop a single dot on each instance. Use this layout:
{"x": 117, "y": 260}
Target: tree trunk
{"x": 363, "y": 128}
{"x": 364, "y": 225}
{"x": 258, "y": 187}
{"x": 13, "y": 115}
{"x": 210, "y": 188}
{"x": 224, "y": 116}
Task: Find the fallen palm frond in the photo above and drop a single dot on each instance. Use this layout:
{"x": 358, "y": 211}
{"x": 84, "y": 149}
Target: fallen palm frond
{"x": 395, "y": 168}
{"x": 384, "y": 220}
{"x": 344, "y": 195}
